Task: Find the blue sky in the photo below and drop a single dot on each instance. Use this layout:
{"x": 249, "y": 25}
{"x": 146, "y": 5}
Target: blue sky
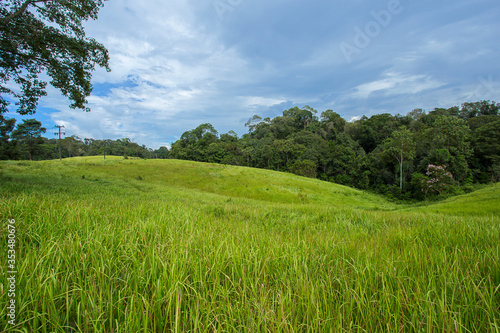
{"x": 179, "y": 63}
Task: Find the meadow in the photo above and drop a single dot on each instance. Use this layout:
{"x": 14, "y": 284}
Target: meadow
{"x": 124, "y": 245}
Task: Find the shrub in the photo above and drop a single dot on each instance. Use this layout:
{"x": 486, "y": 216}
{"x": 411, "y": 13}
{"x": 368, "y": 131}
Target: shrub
{"x": 439, "y": 179}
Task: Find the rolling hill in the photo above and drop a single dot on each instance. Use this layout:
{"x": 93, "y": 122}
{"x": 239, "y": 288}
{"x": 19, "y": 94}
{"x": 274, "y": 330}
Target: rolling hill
{"x": 222, "y": 180}
{"x": 485, "y": 201}
{"x": 125, "y": 245}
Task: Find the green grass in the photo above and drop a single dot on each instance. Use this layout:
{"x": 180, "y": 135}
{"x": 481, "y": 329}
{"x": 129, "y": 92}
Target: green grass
{"x": 481, "y": 202}
{"x": 175, "y": 246}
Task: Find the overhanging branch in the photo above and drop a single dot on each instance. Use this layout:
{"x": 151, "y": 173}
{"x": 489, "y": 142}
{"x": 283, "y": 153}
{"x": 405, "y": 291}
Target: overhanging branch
{"x": 21, "y": 10}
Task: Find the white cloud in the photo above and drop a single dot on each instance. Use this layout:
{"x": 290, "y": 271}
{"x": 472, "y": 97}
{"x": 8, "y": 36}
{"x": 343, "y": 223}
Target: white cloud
{"x": 259, "y": 101}
{"x": 165, "y": 66}
{"x": 176, "y": 65}
{"x": 396, "y": 84}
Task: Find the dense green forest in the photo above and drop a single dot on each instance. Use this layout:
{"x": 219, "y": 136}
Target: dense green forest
{"x": 415, "y": 156}
{"x": 25, "y": 141}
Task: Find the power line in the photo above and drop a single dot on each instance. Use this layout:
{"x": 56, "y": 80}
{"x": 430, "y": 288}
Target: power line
{"x": 60, "y": 133}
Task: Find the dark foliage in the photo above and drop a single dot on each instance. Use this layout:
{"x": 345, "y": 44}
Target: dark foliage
{"x": 384, "y": 153}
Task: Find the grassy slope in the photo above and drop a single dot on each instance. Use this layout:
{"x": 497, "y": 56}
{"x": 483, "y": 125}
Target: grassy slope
{"x": 241, "y": 182}
{"x": 228, "y": 181}
{"x": 198, "y": 247}
{"x": 482, "y": 202}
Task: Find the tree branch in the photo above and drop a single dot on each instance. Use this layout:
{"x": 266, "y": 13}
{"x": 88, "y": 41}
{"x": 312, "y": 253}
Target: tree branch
{"x": 21, "y": 10}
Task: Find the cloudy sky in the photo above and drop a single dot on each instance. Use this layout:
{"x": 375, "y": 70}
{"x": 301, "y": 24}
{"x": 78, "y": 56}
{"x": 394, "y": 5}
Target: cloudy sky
{"x": 179, "y": 63}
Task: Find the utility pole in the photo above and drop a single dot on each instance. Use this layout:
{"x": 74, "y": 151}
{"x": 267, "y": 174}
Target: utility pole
{"x": 60, "y": 133}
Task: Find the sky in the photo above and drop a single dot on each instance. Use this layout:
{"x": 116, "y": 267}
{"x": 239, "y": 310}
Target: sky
{"x": 177, "y": 64}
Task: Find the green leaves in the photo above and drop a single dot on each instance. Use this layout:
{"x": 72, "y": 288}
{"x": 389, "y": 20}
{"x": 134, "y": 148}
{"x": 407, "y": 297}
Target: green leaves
{"x": 48, "y": 36}
{"x": 29, "y": 132}
{"x": 401, "y": 146}
{"x": 453, "y": 135}
{"x": 373, "y": 153}
{"x": 306, "y": 168}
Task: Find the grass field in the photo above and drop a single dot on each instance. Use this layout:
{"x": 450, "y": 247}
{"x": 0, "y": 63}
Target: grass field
{"x": 121, "y": 245}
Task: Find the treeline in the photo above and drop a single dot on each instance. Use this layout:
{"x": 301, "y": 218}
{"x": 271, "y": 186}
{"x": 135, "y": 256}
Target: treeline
{"x": 416, "y": 155}
{"x": 24, "y": 141}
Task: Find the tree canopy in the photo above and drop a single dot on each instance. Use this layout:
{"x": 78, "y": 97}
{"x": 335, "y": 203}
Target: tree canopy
{"x": 29, "y": 132}
{"x": 47, "y": 36}
{"x": 401, "y": 156}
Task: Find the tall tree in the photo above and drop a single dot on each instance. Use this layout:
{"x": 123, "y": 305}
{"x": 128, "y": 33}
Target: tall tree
{"x": 401, "y": 147}
{"x": 47, "y": 36}
{"x": 29, "y": 133}
{"x": 6, "y": 145}
{"x": 452, "y": 134}
{"x": 301, "y": 117}
{"x": 487, "y": 148}
{"x": 481, "y": 108}
{"x": 332, "y": 123}
{"x": 253, "y": 122}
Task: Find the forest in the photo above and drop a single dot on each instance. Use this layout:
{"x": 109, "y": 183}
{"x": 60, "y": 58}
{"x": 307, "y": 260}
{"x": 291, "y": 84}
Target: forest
{"x": 415, "y": 156}
{"x": 25, "y": 142}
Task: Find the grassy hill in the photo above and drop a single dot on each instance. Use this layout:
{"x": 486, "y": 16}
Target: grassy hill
{"x": 158, "y": 246}
{"x": 482, "y": 202}
{"x": 222, "y": 180}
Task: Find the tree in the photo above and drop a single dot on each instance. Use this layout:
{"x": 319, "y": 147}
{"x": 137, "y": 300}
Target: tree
{"x": 289, "y": 148}
{"x": 282, "y": 127}
{"x": 265, "y": 153}
{"x": 438, "y": 179}
{"x": 481, "y": 108}
{"x": 301, "y": 117}
{"x": 304, "y": 168}
{"x": 370, "y": 132}
{"x": 193, "y": 144}
{"x": 333, "y": 124}
{"x": 230, "y": 136}
{"x": 47, "y": 36}
{"x": 72, "y": 146}
{"x": 205, "y": 134}
{"x": 162, "y": 152}
{"x": 253, "y": 122}
{"x": 346, "y": 158}
{"x": 487, "y": 149}
{"x": 451, "y": 133}
{"x": 401, "y": 146}
{"x": 29, "y": 133}
{"x": 316, "y": 148}
{"x": 416, "y": 114}
{"x": 6, "y": 145}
